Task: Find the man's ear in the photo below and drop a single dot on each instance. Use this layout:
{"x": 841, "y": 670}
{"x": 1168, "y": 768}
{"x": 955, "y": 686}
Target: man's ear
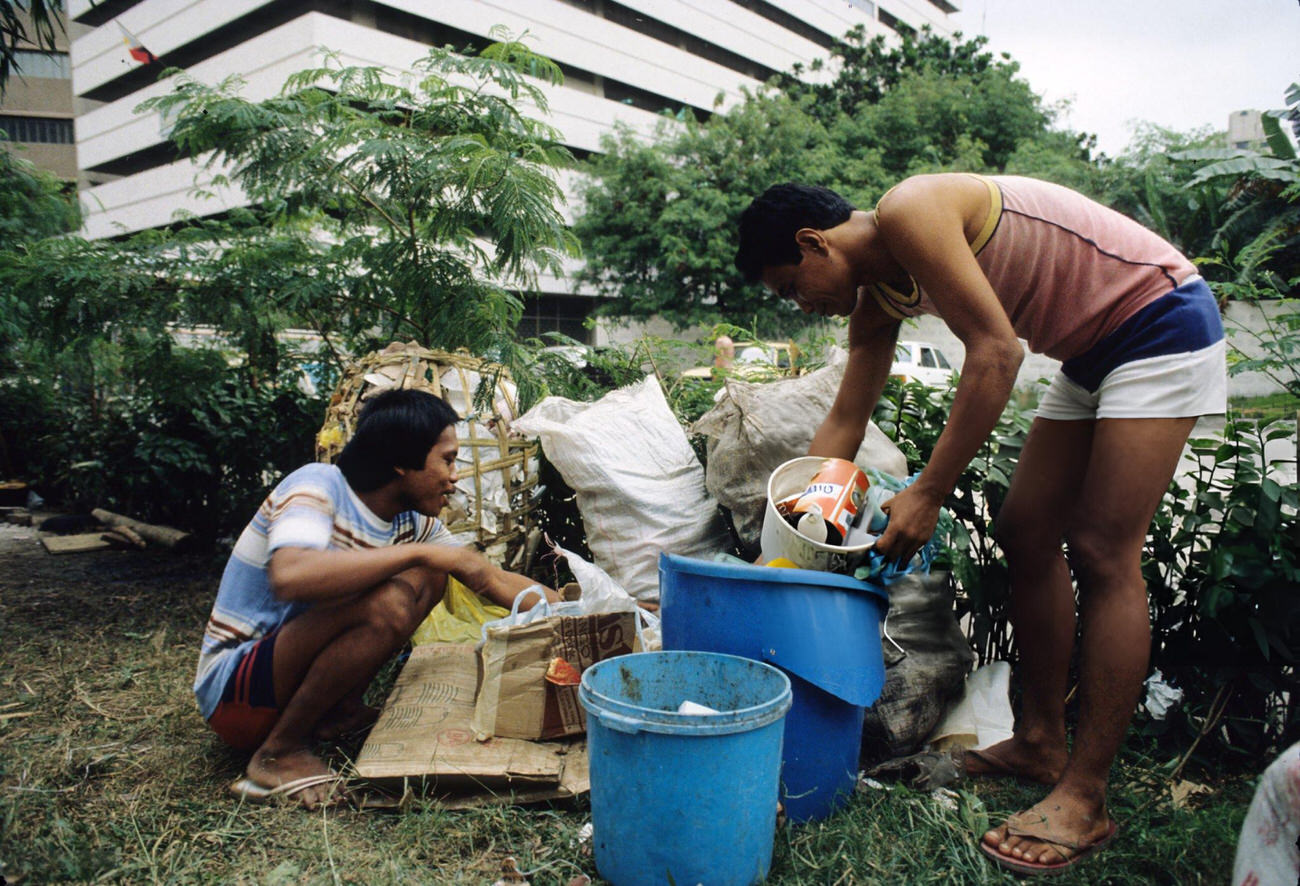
{"x": 811, "y": 240}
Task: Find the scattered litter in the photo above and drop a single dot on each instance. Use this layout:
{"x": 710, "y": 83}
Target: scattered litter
{"x": 946, "y": 798}
{"x": 1183, "y": 792}
{"x": 510, "y": 874}
{"x": 690, "y": 707}
{"x": 927, "y": 770}
{"x": 561, "y": 673}
{"x": 1161, "y": 696}
{"x": 865, "y": 783}
{"x": 585, "y": 832}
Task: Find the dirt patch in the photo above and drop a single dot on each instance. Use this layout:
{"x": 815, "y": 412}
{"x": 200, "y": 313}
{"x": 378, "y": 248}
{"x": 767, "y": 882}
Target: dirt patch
{"x": 47, "y": 595}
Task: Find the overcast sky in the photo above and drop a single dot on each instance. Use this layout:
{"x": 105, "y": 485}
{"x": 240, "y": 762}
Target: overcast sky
{"x": 1181, "y": 64}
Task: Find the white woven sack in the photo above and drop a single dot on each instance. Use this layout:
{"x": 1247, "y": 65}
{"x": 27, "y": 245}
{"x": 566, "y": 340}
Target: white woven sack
{"x": 639, "y": 486}
{"x": 757, "y": 427}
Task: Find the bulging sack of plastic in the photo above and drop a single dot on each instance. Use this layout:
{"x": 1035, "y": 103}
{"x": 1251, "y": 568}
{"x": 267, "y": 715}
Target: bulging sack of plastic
{"x": 754, "y": 428}
{"x": 600, "y": 593}
{"x": 927, "y": 658}
{"x": 639, "y": 486}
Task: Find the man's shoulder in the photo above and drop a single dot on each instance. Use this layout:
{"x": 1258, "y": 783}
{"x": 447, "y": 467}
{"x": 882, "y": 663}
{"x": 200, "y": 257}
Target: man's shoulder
{"x": 325, "y": 477}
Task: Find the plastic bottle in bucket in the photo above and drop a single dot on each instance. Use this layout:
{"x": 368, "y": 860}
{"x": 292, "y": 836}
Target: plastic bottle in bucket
{"x": 829, "y": 505}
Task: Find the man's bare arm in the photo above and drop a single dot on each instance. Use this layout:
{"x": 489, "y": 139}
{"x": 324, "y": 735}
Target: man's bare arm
{"x": 872, "y": 338}
{"x": 922, "y": 223}
{"x": 309, "y": 575}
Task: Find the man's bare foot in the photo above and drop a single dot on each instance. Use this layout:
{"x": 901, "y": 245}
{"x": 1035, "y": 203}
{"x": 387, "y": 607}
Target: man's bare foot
{"x": 1020, "y": 758}
{"x": 1053, "y": 832}
{"x": 272, "y": 769}
{"x": 345, "y": 722}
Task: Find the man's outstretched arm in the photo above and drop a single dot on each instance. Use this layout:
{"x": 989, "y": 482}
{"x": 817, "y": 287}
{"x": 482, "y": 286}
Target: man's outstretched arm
{"x": 311, "y": 575}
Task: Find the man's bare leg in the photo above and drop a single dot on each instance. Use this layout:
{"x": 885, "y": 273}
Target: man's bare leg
{"x": 1129, "y": 471}
{"x": 1031, "y": 527}
{"x": 327, "y": 655}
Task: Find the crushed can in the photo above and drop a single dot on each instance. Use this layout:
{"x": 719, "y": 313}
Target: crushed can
{"x": 829, "y": 505}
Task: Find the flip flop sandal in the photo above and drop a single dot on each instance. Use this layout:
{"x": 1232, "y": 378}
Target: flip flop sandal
{"x": 1035, "y": 828}
{"x": 252, "y": 792}
{"x": 995, "y": 767}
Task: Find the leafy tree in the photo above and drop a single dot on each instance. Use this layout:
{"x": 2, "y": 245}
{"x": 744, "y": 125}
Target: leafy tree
{"x": 868, "y": 68}
{"x": 657, "y": 218}
{"x": 431, "y": 200}
{"x": 380, "y": 211}
{"x": 1258, "y": 231}
{"x": 33, "y": 205}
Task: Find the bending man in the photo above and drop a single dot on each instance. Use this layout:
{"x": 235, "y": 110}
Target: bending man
{"x": 333, "y": 575}
{"x": 1001, "y": 259}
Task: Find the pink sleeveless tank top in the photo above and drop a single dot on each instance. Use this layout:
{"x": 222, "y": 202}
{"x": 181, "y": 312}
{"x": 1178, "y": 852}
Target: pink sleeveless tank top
{"x": 1067, "y": 270}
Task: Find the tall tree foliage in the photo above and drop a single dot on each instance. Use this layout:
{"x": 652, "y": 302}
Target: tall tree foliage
{"x": 658, "y": 219}
{"x": 383, "y": 207}
{"x": 434, "y": 197}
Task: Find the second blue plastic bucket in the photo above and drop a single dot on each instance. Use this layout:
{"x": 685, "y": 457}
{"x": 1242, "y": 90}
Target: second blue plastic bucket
{"x": 684, "y": 797}
{"x": 820, "y": 628}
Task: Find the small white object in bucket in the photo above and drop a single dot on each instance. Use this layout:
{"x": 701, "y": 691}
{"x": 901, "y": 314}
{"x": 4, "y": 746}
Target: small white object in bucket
{"x": 690, "y": 707}
{"x": 812, "y": 525}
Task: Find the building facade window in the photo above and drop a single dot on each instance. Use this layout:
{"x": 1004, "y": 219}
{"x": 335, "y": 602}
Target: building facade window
{"x": 47, "y": 65}
{"x": 37, "y": 130}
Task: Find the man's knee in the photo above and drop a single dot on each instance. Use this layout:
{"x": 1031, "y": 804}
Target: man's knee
{"x": 1020, "y": 530}
{"x": 400, "y": 604}
{"x": 1100, "y": 558}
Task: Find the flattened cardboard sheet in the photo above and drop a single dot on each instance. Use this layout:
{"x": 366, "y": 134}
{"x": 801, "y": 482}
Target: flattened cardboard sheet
{"x": 74, "y": 544}
{"x": 423, "y": 740}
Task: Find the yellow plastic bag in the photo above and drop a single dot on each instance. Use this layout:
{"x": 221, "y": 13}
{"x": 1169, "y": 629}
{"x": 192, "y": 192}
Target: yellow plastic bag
{"x": 458, "y": 617}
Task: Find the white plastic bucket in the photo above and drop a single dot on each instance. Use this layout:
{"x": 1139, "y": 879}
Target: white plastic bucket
{"x": 779, "y": 538}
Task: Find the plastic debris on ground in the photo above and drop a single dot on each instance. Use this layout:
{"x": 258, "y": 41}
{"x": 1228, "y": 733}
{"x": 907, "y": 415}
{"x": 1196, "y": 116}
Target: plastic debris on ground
{"x": 983, "y": 717}
{"x": 1161, "y": 696}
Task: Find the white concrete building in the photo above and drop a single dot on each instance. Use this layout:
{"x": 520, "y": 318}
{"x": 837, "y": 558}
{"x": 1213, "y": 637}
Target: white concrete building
{"x": 623, "y": 61}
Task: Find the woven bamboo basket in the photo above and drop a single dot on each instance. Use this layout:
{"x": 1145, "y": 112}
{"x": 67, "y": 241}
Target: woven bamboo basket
{"x": 492, "y": 507}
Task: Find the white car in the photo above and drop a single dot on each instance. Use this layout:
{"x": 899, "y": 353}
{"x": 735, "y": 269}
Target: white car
{"x": 923, "y": 362}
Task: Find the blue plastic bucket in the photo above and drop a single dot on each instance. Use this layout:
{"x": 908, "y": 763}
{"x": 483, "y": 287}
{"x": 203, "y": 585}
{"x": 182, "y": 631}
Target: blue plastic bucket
{"x": 821, "y": 628}
{"x": 684, "y": 798}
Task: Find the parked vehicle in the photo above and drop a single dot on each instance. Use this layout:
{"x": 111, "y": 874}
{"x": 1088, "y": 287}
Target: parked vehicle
{"x": 923, "y": 362}
{"x": 753, "y": 361}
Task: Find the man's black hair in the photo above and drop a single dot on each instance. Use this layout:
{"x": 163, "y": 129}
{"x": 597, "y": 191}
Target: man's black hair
{"x": 396, "y": 430}
{"x": 769, "y": 223}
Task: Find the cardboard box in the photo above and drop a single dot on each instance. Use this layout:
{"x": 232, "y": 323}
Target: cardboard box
{"x": 515, "y": 699}
{"x": 423, "y": 741}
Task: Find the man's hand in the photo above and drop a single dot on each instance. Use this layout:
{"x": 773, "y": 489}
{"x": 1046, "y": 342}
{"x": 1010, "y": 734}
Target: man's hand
{"x": 913, "y": 514}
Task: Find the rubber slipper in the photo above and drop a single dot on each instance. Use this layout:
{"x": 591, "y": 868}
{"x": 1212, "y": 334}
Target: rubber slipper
{"x": 1033, "y": 868}
{"x": 996, "y": 767}
{"x": 252, "y": 792}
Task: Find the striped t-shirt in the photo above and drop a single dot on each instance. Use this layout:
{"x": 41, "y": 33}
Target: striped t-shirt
{"x": 311, "y": 508}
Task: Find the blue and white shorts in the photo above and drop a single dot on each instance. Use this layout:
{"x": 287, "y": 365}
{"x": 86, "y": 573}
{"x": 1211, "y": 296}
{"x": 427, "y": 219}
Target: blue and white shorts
{"x": 1166, "y": 361}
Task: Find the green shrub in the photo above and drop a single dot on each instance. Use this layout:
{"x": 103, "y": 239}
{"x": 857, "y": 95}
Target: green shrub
{"x": 197, "y": 446}
{"x": 1222, "y": 571}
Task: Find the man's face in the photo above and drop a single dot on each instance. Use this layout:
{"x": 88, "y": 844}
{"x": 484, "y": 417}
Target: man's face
{"x": 821, "y": 283}
{"x": 426, "y": 489}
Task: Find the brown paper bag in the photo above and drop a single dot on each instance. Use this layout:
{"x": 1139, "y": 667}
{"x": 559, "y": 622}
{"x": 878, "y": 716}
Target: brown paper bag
{"x": 514, "y": 697}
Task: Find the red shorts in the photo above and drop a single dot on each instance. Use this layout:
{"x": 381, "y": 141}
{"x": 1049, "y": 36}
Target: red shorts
{"x": 247, "y": 710}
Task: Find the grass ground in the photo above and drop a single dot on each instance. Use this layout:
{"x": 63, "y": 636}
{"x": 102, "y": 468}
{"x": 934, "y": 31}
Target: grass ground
{"x": 107, "y": 774}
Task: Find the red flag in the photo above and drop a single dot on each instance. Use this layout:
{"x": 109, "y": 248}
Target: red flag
{"x": 135, "y": 47}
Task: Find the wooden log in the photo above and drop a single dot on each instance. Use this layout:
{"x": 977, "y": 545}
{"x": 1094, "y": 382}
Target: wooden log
{"x": 121, "y": 535}
{"x": 160, "y": 535}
